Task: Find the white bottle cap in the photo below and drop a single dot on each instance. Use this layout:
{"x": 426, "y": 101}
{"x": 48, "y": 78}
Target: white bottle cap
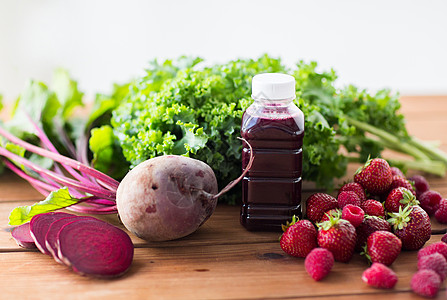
{"x": 273, "y": 86}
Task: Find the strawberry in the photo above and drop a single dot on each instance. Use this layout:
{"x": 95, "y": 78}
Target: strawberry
{"x": 354, "y": 187}
{"x": 373, "y": 207}
{"x": 396, "y": 171}
{"x": 426, "y": 283}
{"x": 335, "y": 212}
{"x": 379, "y": 276}
{"x": 299, "y": 238}
{"x": 353, "y": 214}
{"x": 319, "y": 203}
{"x": 383, "y": 247}
{"x": 399, "y": 197}
{"x": 369, "y": 225}
{"x": 420, "y": 184}
{"x": 348, "y": 197}
{"x": 318, "y": 263}
{"x": 399, "y": 181}
{"x": 375, "y": 176}
{"x": 441, "y": 213}
{"x": 339, "y": 237}
{"x": 412, "y": 226}
{"x": 435, "y": 262}
{"x": 430, "y": 201}
{"x": 438, "y": 247}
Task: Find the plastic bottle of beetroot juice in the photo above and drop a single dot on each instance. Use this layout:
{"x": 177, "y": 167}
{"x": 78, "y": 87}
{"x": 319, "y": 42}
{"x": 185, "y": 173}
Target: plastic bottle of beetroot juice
{"x": 274, "y": 127}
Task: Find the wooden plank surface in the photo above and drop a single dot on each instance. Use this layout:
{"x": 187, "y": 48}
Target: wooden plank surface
{"x": 220, "y": 261}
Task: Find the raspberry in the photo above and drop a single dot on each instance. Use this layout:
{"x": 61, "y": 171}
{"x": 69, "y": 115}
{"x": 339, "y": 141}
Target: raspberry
{"x": 425, "y": 283}
{"x": 356, "y": 188}
{"x": 438, "y": 247}
{"x": 435, "y": 262}
{"x": 353, "y": 214}
{"x": 348, "y": 197}
{"x": 420, "y": 184}
{"x": 318, "y": 263}
{"x": 397, "y": 171}
{"x": 429, "y": 201}
{"x": 373, "y": 207}
{"x": 380, "y": 276}
{"x": 441, "y": 213}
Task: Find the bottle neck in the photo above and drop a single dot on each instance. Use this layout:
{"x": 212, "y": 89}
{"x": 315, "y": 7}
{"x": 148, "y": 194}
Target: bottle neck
{"x": 273, "y": 103}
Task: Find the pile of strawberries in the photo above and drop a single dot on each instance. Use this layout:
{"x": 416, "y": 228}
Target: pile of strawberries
{"x": 379, "y": 214}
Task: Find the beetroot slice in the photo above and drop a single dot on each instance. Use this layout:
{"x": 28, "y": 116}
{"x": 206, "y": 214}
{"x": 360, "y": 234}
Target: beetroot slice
{"x": 53, "y": 230}
{"x": 22, "y": 236}
{"x": 39, "y": 226}
{"x": 95, "y": 248}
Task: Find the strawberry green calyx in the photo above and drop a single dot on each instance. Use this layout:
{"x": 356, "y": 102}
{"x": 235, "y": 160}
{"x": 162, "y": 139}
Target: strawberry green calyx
{"x": 408, "y": 198}
{"x": 367, "y": 163}
{"x": 288, "y": 224}
{"x": 401, "y": 219}
{"x": 365, "y": 254}
{"x": 332, "y": 222}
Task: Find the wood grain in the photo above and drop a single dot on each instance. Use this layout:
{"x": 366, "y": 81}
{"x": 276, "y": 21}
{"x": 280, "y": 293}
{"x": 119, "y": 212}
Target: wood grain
{"x": 221, "y": 260}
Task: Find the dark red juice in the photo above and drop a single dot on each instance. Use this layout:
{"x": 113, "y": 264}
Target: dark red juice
{"x": 271, "y": 190}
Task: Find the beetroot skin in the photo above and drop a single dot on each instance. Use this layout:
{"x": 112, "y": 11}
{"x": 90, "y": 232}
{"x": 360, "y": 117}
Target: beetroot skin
{"x": 95, "y": 248}
{"x": 39, "y": 225}
{"x": 22, "y": 236}
{"x": 167, "y": 197}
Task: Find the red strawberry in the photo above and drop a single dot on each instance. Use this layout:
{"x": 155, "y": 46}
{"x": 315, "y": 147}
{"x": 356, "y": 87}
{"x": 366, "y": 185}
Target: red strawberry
{"x": 441, "y": 213}
{"x": 379, "y": 276}
{"x": 354, "y": 187}
{"x": 438, "y": 247}
{"x": 383, "y": 247}
{"x": 397, "y": 171}
{"x": 318, "y": 263}
{"x": 420, "y": 184}
{"x": 435, "y": 262}
{"x": 348, "y": 197}
{"x": 400, "y": 181}
{"x": 373, "y": 207}
{"x": 430, "y": 201}
{"x": 335, "y": 212}
{"x": 369, "y": 225}
{"x": 339, "y": 237}
{"x": 375, "y": 176}
{"x": 319, "y": 203}
{"x": 299, "y": 238}
{"x": 353, "y": 214}
{"x": 399, "y": 197}
{"x": 426, "y": 283}
{"x": 412, "y": 226}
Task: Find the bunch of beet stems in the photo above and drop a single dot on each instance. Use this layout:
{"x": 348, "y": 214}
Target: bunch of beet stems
{"x": 94, "y": 189}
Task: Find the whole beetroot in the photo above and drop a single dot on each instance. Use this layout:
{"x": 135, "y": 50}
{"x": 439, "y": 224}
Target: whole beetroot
{"x": 167, "y": 197}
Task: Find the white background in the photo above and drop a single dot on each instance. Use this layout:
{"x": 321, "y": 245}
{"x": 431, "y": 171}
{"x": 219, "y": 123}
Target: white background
{"x": 373, "y": 44}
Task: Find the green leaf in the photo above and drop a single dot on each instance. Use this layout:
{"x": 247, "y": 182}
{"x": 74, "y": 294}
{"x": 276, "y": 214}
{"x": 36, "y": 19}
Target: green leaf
{"x": 56, "y": 200}
{"x": 67, "y": 92}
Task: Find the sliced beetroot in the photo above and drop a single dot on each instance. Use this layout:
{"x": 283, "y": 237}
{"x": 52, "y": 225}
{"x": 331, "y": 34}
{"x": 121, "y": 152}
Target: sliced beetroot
{"x": 39, "y": 225}
{"x": 53, "y": 230}
{"x": 22, "y": 236}
{"x": 95, "y": 248}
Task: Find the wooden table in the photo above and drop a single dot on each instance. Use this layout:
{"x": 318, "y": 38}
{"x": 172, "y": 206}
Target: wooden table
{"x": 220, "y": 261}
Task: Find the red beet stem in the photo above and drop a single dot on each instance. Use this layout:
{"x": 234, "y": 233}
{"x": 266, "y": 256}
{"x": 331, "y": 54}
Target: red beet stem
{"x": 61, "y": 159}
